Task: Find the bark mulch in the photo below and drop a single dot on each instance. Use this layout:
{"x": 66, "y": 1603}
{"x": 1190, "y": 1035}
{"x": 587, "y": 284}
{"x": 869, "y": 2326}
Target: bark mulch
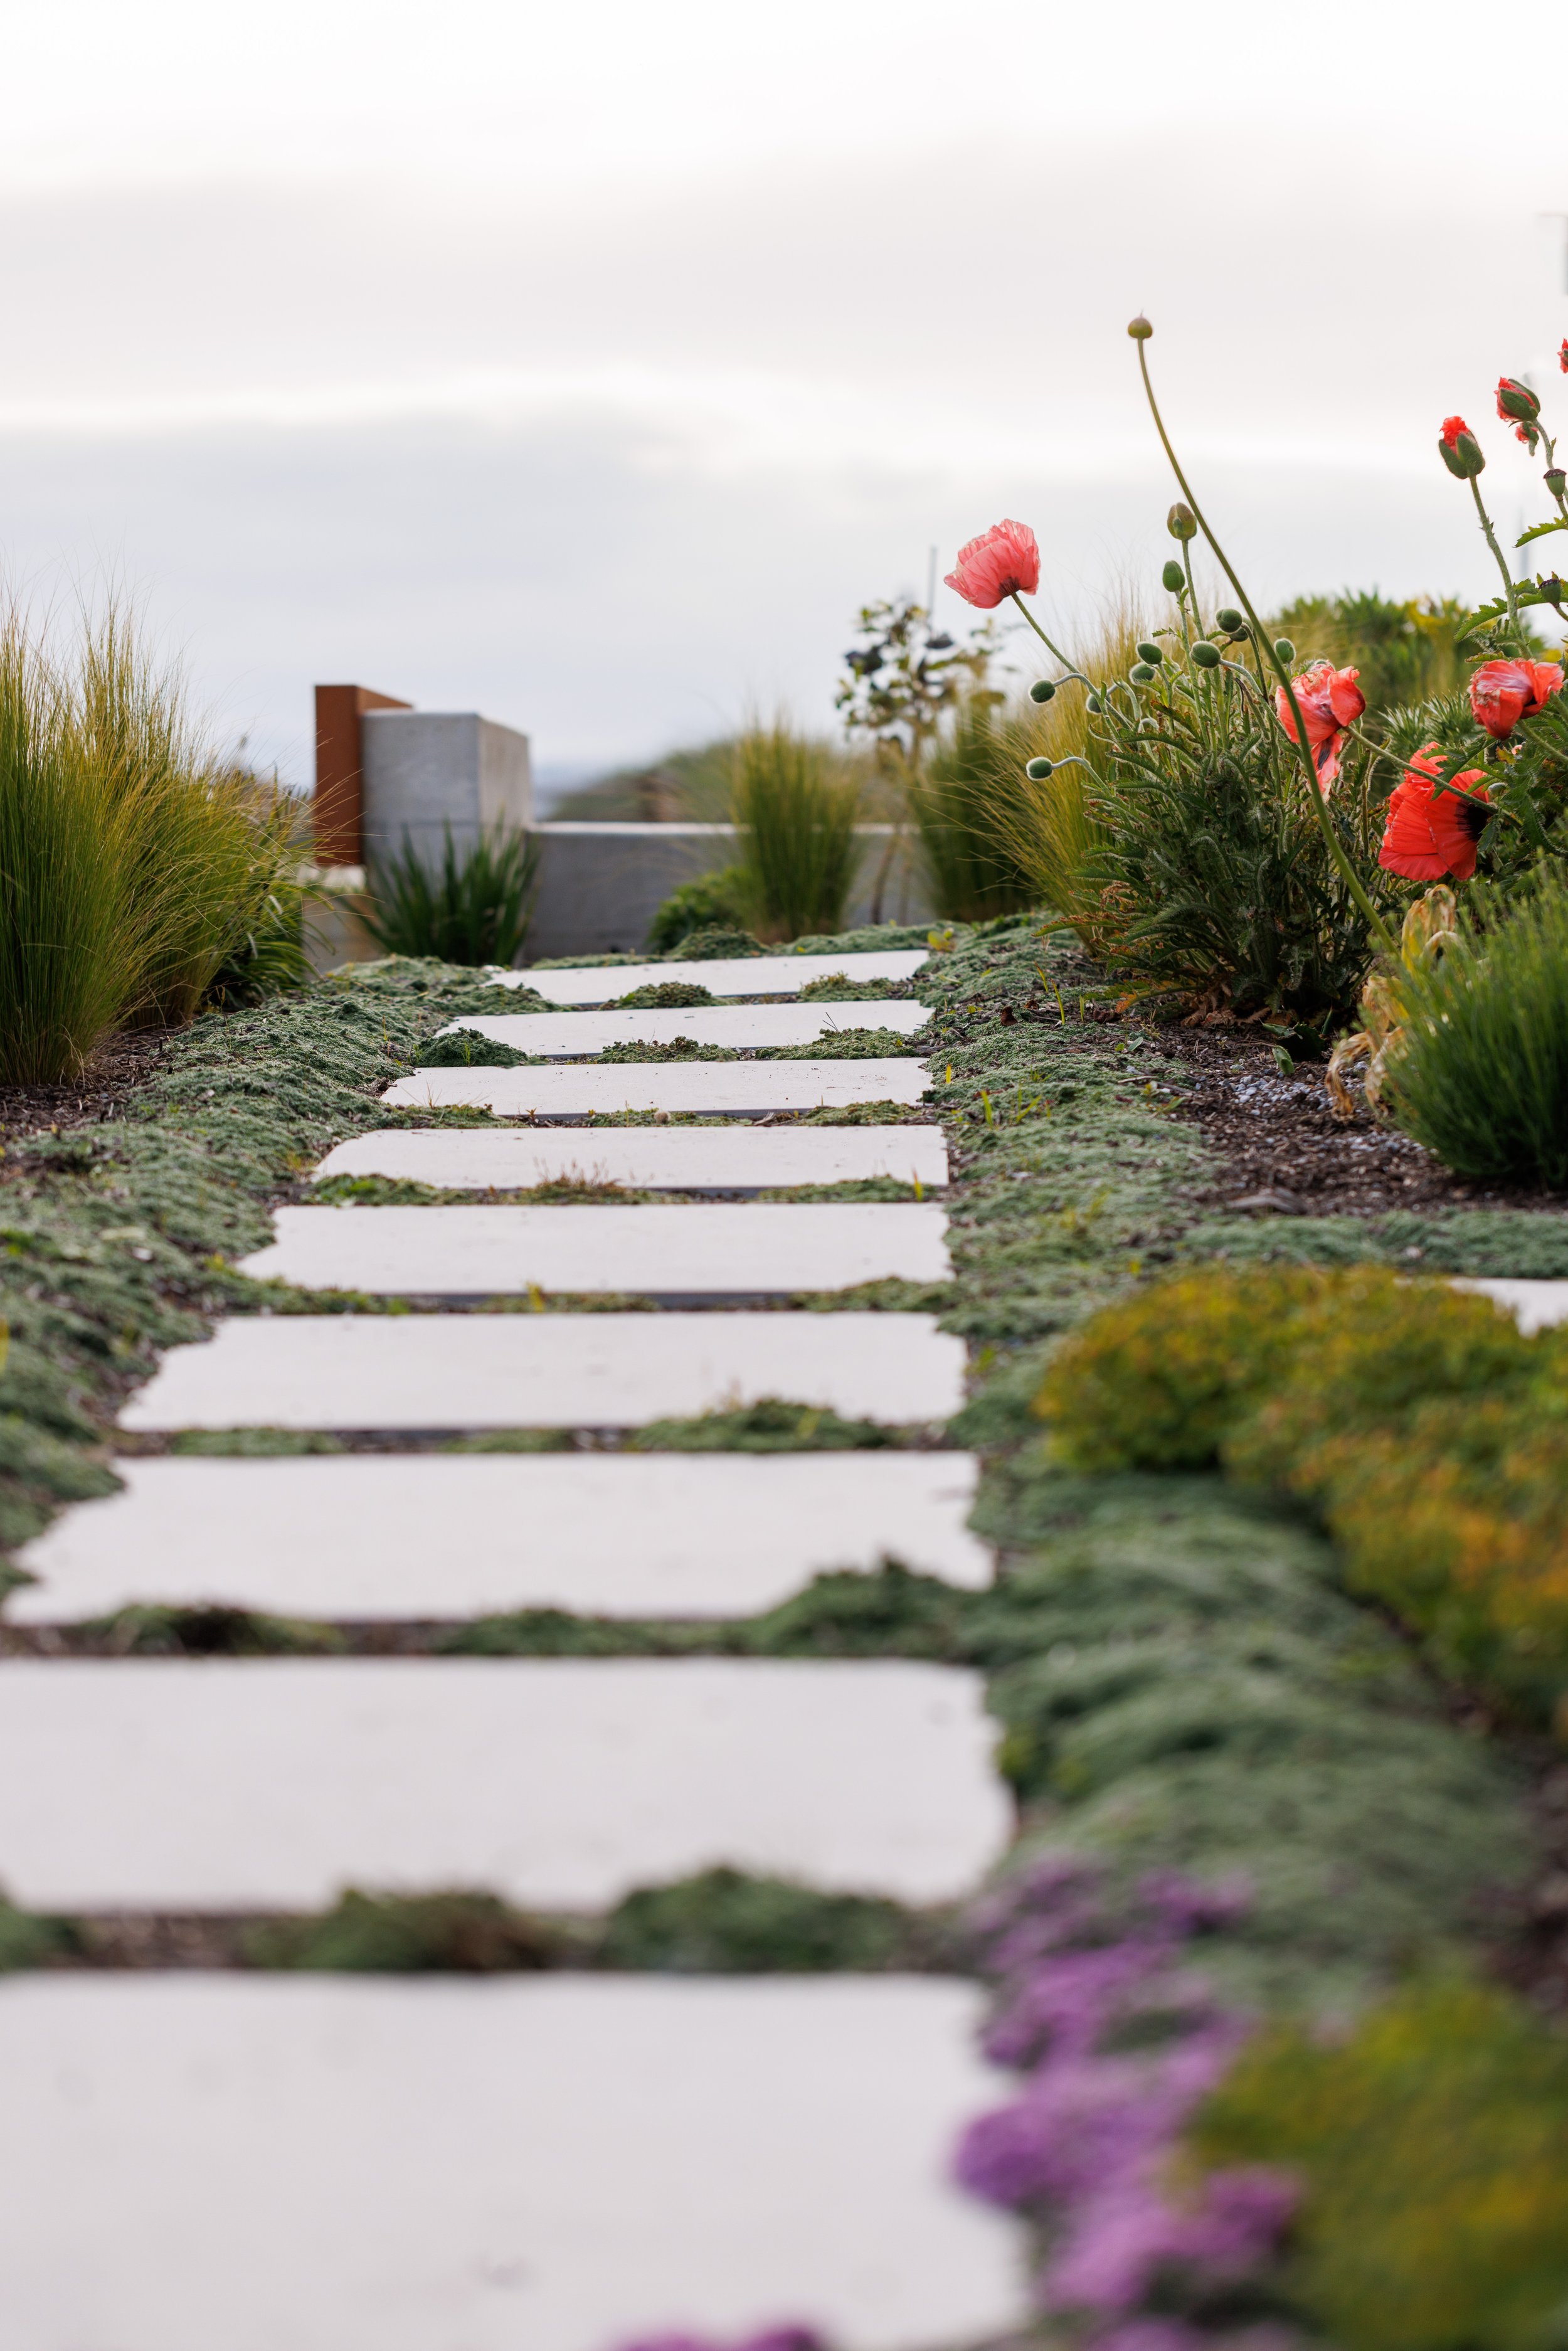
{"x": 114, "y": 1070}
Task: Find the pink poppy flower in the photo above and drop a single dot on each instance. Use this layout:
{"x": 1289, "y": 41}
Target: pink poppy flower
{"x": 1504, "y": 692}
{"x": 1330, "y": 701}
{"x": 1430, "y": 833}
{"x": 1003, "y": 561}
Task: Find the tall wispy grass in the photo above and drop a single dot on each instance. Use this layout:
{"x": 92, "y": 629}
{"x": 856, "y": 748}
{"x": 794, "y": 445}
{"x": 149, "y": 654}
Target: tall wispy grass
{"x": 794, "y": 804}
{"x": 473, "y": 908}
{"x": 975, "y": 770}
{"x": 1479, "y": 1075}
{"x": 133, "y": 864}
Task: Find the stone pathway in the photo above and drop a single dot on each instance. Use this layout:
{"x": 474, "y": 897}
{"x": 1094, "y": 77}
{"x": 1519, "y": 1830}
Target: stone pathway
{"x": 569, "y": 2162}
{"x": 741, "y": 1027}
{"x": 735, "y": 1158}
{"x": 692, "y": 1089}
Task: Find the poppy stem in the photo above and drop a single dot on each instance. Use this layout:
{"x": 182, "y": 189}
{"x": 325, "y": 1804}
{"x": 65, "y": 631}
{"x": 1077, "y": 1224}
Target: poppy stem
{"x": 1332, "y": 842}
{"x": 1039, "y": 633}
{"x": 1501, "y": 559}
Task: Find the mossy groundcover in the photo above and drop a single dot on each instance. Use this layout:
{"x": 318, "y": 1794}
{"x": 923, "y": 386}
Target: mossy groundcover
{"x": 1178, "y": 1675}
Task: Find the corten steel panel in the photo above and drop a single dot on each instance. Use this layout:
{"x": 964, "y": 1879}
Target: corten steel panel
{"x": 340, "y": 770}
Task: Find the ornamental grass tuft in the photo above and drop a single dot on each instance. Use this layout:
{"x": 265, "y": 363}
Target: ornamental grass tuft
{"x": 794, "y": 805}
{"x": 473, "y": 908}
{"x": 1479, "y": 1075}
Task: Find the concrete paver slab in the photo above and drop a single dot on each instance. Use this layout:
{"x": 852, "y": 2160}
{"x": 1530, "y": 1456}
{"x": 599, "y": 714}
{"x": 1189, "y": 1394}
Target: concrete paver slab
{"x": 735, "y": 1158}
{"x": 703, "y": 1088}
{"x": 546, "y": 1370}
{"x": 725, "y": 975}
{"x": 707, "y": 1249}
{"x": 562, "y": 2163}
{"x": 1535, "y": 1305}
{"x": 373, "y": 1536}
{"x": 561, "y": 1783}
{"x": 742, "y": 1027}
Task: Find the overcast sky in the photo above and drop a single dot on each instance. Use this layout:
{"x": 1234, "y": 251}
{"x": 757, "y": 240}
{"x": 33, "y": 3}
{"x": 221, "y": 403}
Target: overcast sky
{"x": 590, "y": 366}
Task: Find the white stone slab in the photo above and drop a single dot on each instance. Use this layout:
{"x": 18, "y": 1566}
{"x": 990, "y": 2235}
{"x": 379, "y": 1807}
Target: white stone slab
{"x": 706, "y": 1088}
{"x": 151, "y": 1783}
{"x": 744, "y": 1026}
{"x": 556, "y": 2163}
{"x": 421, "y": 1535}
{"x": 1534, "y": 1305}
{"x": 710, "y": 1250}
{"x": 735, "y": 1158}
{"x": 546, "y": 1370}
{"x": 742, "y": 975}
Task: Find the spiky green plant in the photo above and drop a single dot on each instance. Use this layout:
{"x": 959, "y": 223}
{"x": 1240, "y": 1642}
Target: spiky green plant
{"x": 473, "y": 908}
{"x": 973, "y": 768}
{"x": 794, "y": 806}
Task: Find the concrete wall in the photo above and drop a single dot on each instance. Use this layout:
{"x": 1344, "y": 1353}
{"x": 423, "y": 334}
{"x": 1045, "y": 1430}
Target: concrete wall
{"x": 426, "y": 770}
{"x": 601, "y": 885}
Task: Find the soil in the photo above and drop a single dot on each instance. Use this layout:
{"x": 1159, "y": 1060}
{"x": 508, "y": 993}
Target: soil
{"x": 115, "y": 1068}
{"x": 1285, "y": 1152}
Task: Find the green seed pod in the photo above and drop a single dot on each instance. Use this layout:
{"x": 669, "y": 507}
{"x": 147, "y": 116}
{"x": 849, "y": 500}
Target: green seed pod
{"x": 1149, "y": 651}
{"x": 1205, "y": 655}
{"x": 1042, "y": 690}
{"x": 1093, "y": 704}
{"x": 1038, "y": 770}
{"x": 1228, "y": 618}
{"x": 1181, "y": 522}
{"x": 1172, "y": 578}
{"x": 1285, "y": 650}
{"x": 1141, "y": 673}
{"x": 1139, "y": 328}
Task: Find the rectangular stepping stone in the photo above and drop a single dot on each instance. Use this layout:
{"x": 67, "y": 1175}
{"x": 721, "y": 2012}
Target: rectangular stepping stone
{"x": 745, "y": 1027}
{"x": 735, "y": 1158}
{"x": 564, "y": 2163}
{"x": 725, "y": 975}
{"x": 546, "y": 1370}
{"x": 1535, "y": 1305}
{"x": 703, "y": 1088}
{"x": 712, "y": 1249}
{"x": 560, "y": 1783}
{"x": 432, "y": 1535}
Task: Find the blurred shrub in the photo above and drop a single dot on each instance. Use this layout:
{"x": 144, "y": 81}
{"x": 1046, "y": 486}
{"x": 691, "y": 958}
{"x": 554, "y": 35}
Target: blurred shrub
{"x": 711, "y": 900}
{"x": 473, "y": 908}
{"x": 1402, "y": 653}
{"x": 1479, "y": 1074}
{"x": 794, "y": 805}
{"x": 972, "y": 769}
{"x": 1431, "y": 2144}
{"x": 1430, "y": 1433}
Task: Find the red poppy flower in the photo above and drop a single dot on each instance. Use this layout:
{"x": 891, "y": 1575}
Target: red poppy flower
{"x": 1458, "y": 449}
{"x": 1515, "y": 403}
{"x": 1504, "y": 692}
{"x": 1003, "y": 561}
{"x": 1563, "y": 355}
{"x": 1431, "y": 833}
{"x": 1330, "y": 701}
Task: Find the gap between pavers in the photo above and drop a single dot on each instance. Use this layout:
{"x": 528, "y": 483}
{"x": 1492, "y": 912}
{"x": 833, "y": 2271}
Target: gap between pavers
{"x": 558, "y": 1783}
{"x": 734, "y": 1158}
{"x": 743, "y": 1027}
{"x": 431, "y": 1372}
{"x": 707, "y": 1249}
{"x": 565, "y": 2164}
{"x": 725, "y": 975}
{"x": 430, "y": 1535}
{"x": 701, "y": 1089}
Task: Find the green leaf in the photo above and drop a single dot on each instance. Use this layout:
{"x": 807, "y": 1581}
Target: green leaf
{"x": 1540, "y": 530}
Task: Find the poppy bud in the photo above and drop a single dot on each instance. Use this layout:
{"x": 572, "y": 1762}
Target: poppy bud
{"x": 1141, "y": 673}
{"x": 1139, "y": 328}
{"x": 1181, "y": 522}
{"x": 1563, "y": 355}
{"x": 1038, "y": 770}
{"x": 1174, "y": 577}
{"x": 1284, "y": 651}
{"x": 1557, "y": 481}
{"x": 1041, "y": 690}
{"x": 1515, "y": 403}
{"x": 1553, "y": 590}
{"x": 1093, "y": 704}
{"x": 1460, "y": 450}
{"x": 1149, "y": 651}
{"x": 1205, "y": 655}
{"x": 1228, "y": 618}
